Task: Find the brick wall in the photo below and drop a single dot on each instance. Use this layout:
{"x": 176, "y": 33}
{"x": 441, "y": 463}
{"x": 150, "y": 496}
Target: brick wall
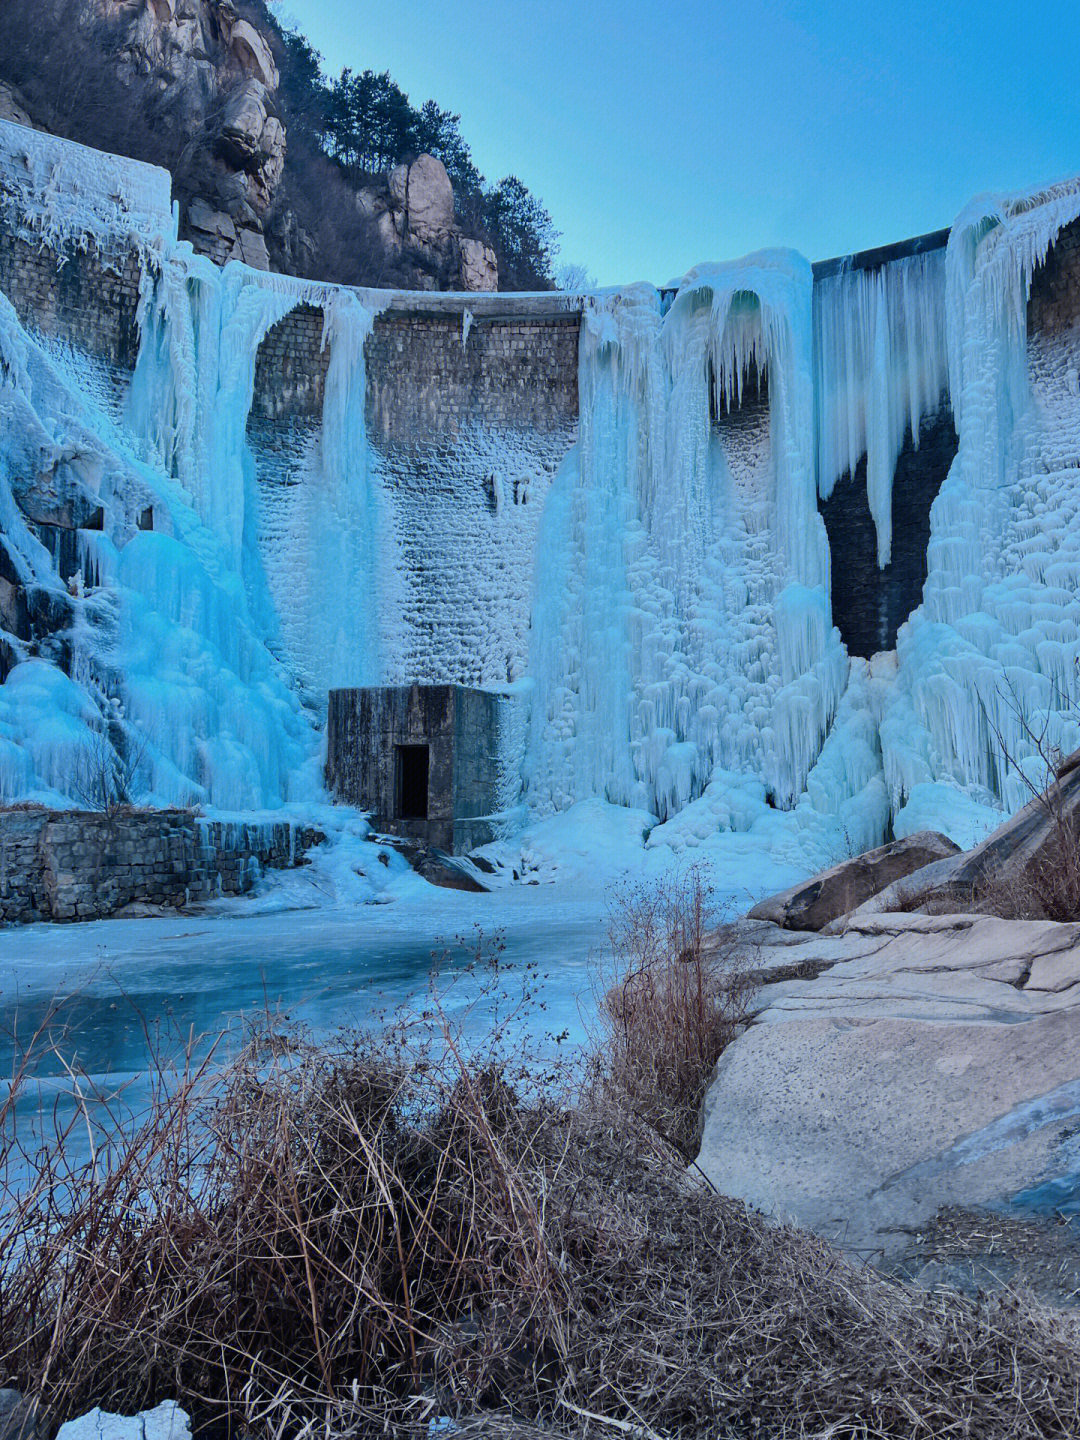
{"x": 425, "y": 385}
{"x": 75, "y": 296}
{"x": 78, "y": 865}
{"x": 290, "y": 369}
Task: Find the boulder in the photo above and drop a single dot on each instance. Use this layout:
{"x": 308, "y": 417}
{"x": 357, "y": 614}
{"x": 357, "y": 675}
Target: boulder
{"x": 166, "y": 1422}
{"x": 205, "y": 218}
{"x": 424, "y": 192}
{"x": 17, "y": 1417}
{"x": 812, "y": 904}
{"x": 479, "y": 267}
{"x": 243, "y": 122}
{"x": 12, "y": 109}
{"x": 250, "y": 249}
{"x": 253, "y": 52}
{"x": 1013, "y": 867}
{"x": 935, "y": 1063}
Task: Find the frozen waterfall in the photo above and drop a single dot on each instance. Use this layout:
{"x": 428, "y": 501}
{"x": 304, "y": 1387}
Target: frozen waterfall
{"x": 682, "y": 621}
{"x": 681, "y": 659}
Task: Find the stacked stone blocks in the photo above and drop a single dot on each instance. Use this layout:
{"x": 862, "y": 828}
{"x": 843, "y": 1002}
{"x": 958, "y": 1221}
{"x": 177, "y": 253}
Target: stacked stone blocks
{"x": 77, "y": 296}
{"x": 83, "y": 865}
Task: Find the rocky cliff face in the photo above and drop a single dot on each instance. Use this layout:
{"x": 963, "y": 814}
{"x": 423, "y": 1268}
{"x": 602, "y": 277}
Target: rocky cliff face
{"x": 414, "y": 216}
{"x": 219, "y": 73}
{"x": 225, "y": 80}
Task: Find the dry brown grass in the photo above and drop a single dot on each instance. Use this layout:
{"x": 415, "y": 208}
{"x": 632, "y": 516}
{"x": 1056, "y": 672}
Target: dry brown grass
{"x": 361, "y": 1238}
{"x": 674, "y": 994}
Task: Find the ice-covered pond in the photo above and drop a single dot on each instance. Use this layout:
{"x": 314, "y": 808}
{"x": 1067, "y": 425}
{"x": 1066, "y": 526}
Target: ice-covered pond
{"x": 124, "y": 981}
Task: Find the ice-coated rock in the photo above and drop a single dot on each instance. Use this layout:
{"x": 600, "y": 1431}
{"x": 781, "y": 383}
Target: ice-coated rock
{"x": 935, "y": 1062}
{"x": 835, "y": 892}
{"x": 166, "y": 1422}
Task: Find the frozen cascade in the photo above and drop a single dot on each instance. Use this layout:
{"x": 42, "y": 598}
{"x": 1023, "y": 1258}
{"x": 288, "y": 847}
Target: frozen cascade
{"x": 175, "y": 653}
{"x": 163, "y": 658}
{"x": 880, "y": 369}
{"x": 335, "y": 574}
{"x": 683, "y": 662}
{"x": 682, "y": 625}
{"x": 990, "y": 659}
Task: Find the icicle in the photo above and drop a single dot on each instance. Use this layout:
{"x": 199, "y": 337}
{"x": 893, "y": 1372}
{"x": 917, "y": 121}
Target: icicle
{"x": 672, "y": 637}
{"x": 989, "y": 662}
{"x": 880, "y": 366}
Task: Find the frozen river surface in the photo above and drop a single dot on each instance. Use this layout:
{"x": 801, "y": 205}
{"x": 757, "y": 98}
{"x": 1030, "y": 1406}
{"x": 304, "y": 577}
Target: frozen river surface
{"x": 122, "y": 981}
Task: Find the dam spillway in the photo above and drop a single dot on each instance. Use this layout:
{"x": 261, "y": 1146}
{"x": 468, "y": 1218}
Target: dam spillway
{"x": 673, "y": 529}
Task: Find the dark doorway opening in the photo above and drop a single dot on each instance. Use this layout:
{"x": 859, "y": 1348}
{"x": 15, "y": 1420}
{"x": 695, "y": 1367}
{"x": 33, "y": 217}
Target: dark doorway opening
{"x": 412, "y": 782}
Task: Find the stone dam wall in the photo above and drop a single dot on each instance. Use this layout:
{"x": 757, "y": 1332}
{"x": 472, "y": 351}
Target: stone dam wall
{"x": 78, "y": 297}
{"x": 80, "y": 865}
{"x": 471, "y": 406}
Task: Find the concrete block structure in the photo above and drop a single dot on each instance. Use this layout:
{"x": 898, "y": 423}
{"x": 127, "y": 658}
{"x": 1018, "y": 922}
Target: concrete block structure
{"x": 423, "y": 759}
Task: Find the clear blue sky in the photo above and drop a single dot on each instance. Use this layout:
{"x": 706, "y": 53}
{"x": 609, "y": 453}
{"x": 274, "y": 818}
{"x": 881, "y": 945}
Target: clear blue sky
{"x": 661, "y": 135}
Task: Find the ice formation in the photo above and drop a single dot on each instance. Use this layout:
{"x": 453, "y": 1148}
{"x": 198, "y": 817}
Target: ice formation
{"x": 176, "y": 655}
{"x": 989, "y": 663}
{"x": 880, "y": 369}
{"x": 655, "y": 594}
{"x": 56, "y": 190}
{"x": 682, "y": 622}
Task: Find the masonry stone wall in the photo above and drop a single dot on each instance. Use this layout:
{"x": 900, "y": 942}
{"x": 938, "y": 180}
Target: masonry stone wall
{"x": 1054, "y": 305}
{"x": 429, "y": 377}
{"x": 290, "y": 370}
{"x": 79, "y": 865}
{"x": 76, "y": 296}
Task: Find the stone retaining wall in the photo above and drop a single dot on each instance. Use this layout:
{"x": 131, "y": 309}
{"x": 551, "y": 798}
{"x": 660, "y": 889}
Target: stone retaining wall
{"x": 429, "y": 377}
{"x": 290, "y": 369}
{"x": 80, "y": 865}
{"x": 1054, "y": 305}
{"x": 76, "y": 296}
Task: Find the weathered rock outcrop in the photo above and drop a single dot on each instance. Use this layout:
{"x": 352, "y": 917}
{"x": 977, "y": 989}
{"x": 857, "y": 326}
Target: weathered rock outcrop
{"x": 225, "y": 80}
{"x": 1027, "y": 864}
{"x": 812, "y": 904}
{"x": 216, "y": 74}
{"x": 12, "y": 108}
{"x": 414, "y": 214}
{"x": 934, "y": 1063}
